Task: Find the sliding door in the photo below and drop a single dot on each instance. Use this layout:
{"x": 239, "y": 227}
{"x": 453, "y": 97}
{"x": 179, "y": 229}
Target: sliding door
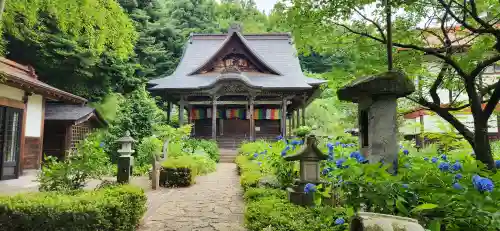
{"x": 10, "y": 142}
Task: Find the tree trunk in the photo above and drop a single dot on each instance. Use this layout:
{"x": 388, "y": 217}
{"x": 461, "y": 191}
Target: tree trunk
{"x": 481, "y": 145}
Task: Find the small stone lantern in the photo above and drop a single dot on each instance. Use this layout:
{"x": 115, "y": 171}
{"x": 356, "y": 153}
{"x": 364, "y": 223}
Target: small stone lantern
{"x": 376, "y": 97}
{"x": 309, "y": 158}
{"x": 126, "y": 160}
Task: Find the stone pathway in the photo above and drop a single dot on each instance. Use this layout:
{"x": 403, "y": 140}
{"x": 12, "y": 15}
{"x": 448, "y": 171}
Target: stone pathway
{"x": 214, "y": 203}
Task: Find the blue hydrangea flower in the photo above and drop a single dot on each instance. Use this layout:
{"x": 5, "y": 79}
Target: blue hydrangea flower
{"x": 295, "y": 142}
{"x": 309, "y": 188}
{"x": 426, "y": 158}
{"x": 255, "y": 155}
{"x": 457, "y": 186}
{"x": 338, "y": 143}
{"x": 280, "y": 137}
{"x": 459, "y": 176}
{"x": 101, "y": 144}
{"x": 330, "y": 146}
{"x": 444, "y": 157}
{"x": 497, "y": 163}
{"x": 401, "y": 146}
{"x": 283, "y": 153}
{"x": 405, "y": 186}
{"x": 444, "y": 166}
{"x": 326, "y": 171}
{"x": 482, "y": 184}
{"x": 339, "y": 162}
{"x": 434, "y": 160}
{"x": 339, "y": 221}
{"x": 406, "y": 152}
{"x": 456, "y": 166}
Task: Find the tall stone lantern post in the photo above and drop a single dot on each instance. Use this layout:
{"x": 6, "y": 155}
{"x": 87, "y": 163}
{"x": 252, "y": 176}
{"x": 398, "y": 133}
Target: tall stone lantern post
{"x": 126, "y": 160}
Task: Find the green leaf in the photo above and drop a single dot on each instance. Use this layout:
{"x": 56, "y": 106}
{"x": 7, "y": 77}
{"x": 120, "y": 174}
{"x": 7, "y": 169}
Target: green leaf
{"x": 424, "y": 207}
{"x": 401, "y": 207}
{"x": 435, "y": 225}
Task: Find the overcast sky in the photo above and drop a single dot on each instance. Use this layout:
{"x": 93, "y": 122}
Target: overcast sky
{"x": 266, "y": 5}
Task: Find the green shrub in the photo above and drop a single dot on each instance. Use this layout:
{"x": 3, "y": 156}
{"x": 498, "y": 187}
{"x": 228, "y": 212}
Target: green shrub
{"x": 88, "y": 162}
{"x": 176, "y": 177}
{"x": 211, "y": 148}
{"x": 273, "y": 212}
{"x": 254, "y": 194}
{"x": 198, "y": 164}
{"x": 148, "y": 147}
{"x": 110, "y": 208}
{"x": 250, "y": 173}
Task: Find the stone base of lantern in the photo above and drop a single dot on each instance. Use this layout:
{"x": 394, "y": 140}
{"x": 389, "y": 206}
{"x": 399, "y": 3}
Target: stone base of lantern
{"x": 296, "y": 194}
{"x": 299, "y": 197}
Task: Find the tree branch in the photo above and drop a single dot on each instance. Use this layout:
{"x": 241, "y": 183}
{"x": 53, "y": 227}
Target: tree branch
{"x": 437, "y": 84}
{"x": 379, "y": 28}
{"x": 492, "y": 103}
{"x": 485, "y": 63}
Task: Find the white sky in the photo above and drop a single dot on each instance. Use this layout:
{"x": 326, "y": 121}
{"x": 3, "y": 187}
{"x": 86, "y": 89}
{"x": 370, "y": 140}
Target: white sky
{"x": 266, "y": 5}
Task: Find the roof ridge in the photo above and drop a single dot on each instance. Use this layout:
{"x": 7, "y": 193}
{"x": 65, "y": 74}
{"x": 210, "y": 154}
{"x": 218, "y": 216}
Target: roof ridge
{"x": 244, "y": 41}
{"x": 244, "y": 34}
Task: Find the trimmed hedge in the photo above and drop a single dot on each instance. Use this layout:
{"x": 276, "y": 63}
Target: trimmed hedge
{"x": 112, "y": 208}
{"x": 268, "y": 209}
{"x": 249, "y": 171}
{"x": 176, "y": 177}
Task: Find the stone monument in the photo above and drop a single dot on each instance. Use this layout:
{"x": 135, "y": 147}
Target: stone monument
{"x": 126, "y": 160}
{"x": 376, "y": 97}
{"x": 309, "y": 157}
{"x": 383, "y": 222}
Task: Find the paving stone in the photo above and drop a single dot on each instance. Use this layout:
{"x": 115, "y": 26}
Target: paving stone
{"x": 214, "y": 203}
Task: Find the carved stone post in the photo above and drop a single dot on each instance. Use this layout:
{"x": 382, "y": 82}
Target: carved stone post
{"x": 214, "y": 117}
{"x": 181, "y": 111}
{"x": 251, "y": 117}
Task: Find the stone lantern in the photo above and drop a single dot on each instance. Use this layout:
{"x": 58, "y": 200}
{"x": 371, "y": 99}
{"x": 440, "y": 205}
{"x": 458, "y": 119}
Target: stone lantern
{"x": 309, "y": 157}
{"x": 126, "y": 160}
{"x": 374, "y": 221}
{"x": 376, "y": 97}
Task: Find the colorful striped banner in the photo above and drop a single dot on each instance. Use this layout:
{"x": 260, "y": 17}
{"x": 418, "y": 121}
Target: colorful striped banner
{"x": 209, "y": 113}
{"x": 273, "y": 114}
{"x": 197, "y": 113}
{"x": 235, "y": 113}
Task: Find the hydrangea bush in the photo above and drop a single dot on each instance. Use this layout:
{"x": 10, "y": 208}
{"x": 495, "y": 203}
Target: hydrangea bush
{"x": 449, "y": 190}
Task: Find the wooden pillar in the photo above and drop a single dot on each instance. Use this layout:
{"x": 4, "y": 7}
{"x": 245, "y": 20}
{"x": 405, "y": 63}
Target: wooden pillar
{"x": 190, "y": 116}
{"x": 214, "y": 117}
{"x": 298, "y": 118}
{"x": 292, "y": 123}
{"x": 251, "y": 118}
{"x": 181, "y": 112}
{"x": 303, "y": 113}
{"x": 169, "y": 111}
{"x": 283, "y": 117}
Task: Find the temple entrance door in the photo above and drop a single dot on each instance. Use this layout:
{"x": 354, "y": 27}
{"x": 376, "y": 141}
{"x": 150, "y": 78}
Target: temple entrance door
{"x": 236, "y": 128}
{"x": 10, "y": 142}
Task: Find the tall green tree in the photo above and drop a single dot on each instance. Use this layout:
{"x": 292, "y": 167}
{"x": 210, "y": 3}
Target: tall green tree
{"x": 443, "y": 44}
{"x": 192, "y": 16}
{"x": 66, "y": 41}
{"x": 158, "y": 47}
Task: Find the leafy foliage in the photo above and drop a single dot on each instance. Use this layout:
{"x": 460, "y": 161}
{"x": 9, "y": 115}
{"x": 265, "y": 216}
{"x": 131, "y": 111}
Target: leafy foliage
{"x": 69, "y": 41}
{"x": 89, "y": 161}
{"x": 432, "y": 187}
